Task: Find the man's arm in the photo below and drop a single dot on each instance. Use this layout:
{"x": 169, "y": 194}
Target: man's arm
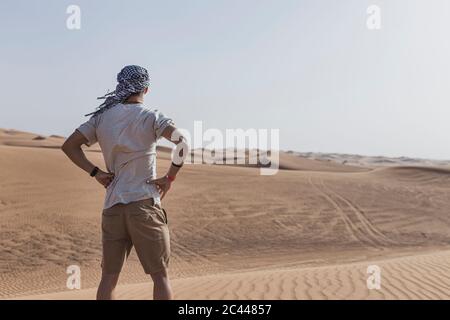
{"x": 72, "y": 148}
{"x": 173, "y": 135}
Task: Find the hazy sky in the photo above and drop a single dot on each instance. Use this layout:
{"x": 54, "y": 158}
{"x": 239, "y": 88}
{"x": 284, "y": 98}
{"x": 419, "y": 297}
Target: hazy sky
{"x": 310, "y": 68}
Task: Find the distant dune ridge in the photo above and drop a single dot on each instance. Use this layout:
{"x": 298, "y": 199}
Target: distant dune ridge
{"x": 370, "y": 161}
{"x": 308, "y": 232}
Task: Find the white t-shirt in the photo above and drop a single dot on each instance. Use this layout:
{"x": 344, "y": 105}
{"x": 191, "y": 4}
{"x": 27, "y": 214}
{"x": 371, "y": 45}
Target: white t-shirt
{"x": 127, "y": 135}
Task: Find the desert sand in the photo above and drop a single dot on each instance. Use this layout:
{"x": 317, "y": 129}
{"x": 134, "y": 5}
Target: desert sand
{"x": 309, "y": 232}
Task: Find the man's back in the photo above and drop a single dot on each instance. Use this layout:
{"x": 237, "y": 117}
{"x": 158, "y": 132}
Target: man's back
{"x": 127, "y": 135}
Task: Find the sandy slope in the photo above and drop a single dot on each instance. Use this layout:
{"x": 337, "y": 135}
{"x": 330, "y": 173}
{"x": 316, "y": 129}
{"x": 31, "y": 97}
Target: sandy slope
{"x": 415, "y": 277}
{"x": 299, "y": 234}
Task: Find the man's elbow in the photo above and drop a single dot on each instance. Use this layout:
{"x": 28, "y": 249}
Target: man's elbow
{"x": 65, "y": 147}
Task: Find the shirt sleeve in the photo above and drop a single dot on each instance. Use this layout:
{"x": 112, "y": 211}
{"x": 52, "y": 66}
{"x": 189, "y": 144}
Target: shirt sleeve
{"x": 88, "y": 130}
{"x": 161, "y": 123}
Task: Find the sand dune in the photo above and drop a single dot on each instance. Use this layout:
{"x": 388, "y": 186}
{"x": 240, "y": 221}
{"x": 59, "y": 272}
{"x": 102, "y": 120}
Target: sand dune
{"x": 26, "y": 139}
{"x": 290, "y": 162}
{"x": 307, "y": 233}
{"x": 417, "y": 277}
{"x": 371, "y": 161}
{"x": 410, "y": 173}
{"x": 251, "y": 159}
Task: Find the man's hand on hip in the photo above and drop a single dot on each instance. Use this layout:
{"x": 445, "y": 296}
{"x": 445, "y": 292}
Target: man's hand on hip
{"x": 162, "y": 184}
{"x": 104, "y": 178}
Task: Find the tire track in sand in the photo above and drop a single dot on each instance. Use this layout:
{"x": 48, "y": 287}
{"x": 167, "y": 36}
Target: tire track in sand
{"x": 356, "y": 223}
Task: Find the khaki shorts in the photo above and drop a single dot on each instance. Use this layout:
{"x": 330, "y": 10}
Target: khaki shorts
{"x": 142, "y": 224}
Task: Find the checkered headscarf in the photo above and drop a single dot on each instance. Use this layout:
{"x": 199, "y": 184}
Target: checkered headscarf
{"x": 131, "y": 80}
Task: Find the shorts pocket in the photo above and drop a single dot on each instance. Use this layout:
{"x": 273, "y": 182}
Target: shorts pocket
{"x": 115, "y": 210}
{"x": 161, "y": 214}
{"x": 146, "y": 212}
{"x": 165, "y": 215}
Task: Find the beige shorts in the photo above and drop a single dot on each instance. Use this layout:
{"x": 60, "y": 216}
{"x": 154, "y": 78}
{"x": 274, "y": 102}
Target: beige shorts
{"x": 142, "y": 224}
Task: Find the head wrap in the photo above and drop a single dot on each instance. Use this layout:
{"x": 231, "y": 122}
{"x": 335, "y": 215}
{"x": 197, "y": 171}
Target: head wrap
{"x": 131, "y": 80}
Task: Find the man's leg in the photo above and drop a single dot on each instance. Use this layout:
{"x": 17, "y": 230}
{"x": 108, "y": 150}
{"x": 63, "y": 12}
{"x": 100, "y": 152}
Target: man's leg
{"x": 106, "y": 287}
{"x": 116, "y": 248}
{"x": 114, "y": 255}
{"x": 149, "y": 232}
{"x": 161, "y": 286}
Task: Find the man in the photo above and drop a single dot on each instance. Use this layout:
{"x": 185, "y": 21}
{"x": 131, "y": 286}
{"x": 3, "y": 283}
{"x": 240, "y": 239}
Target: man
{"x": 127, "y": 133}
